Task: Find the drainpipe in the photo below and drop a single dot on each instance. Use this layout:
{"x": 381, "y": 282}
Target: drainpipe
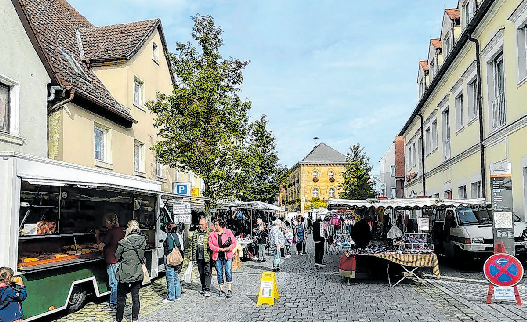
{"x": 422, "y": 153}
{"x": 55, "y": 107}
{"x": 480, "y": 118}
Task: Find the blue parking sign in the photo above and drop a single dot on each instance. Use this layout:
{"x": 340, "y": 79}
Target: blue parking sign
{"x": 182, "y": 189}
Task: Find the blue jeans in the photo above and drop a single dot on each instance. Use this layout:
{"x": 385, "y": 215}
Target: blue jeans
{"x": 227, "y": 264}
{"x": 173, "y": 283}
{"x": 276, "y": 258}
{"x": 112, "y": 281}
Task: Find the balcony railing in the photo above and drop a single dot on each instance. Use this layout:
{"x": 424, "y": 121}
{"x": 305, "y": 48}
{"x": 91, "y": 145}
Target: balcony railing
{"x": 498, "y": 111}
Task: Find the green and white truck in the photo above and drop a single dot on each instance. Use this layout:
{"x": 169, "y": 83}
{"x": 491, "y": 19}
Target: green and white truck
{"x": 50, "y": 211}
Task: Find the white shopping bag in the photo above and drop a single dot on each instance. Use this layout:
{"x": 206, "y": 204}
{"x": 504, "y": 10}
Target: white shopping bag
{"x": 187, "y": 276}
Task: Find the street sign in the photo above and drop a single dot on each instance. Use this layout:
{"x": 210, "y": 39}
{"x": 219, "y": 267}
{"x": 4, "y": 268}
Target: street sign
{"x": 501, "y": 198}
{"x": 182, "y": 188}
{"x": 503, "y": 270}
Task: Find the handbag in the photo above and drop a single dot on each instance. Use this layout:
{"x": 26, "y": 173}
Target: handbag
{"x": 174, "y": 258}
{"x": 187, "y": 276}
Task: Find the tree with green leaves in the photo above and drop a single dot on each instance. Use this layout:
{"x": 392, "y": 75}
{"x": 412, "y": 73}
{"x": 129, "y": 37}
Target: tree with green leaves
{"x": 262, "y": 170}
{"x": 203, "y": 123}
{"x": 358, "y": 184}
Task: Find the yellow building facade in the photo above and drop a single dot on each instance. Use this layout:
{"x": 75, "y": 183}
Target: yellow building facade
{"x": 471, "y": 114}
{"x": 317, "y": 177}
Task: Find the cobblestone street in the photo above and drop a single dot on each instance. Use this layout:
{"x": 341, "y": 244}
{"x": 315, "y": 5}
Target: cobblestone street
{"x": 312, "y": 294}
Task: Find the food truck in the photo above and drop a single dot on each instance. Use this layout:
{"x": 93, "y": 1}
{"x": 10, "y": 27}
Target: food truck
{"x": 50, "y": 211}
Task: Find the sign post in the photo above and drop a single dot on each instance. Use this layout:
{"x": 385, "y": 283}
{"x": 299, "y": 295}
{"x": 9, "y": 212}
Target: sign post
{"x": 503, "y": 271}
{"x": 268, "y": 291}
{"x": 501, "y": 198}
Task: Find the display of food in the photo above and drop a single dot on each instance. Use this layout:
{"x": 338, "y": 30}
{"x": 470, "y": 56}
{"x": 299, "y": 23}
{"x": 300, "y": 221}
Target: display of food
{"x": 83, "y": 251}
{"x": 46, "y": 227}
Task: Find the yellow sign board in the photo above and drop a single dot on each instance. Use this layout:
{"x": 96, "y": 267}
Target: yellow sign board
{"x": 268, "y": 291}
{"x": 194, "y": 192}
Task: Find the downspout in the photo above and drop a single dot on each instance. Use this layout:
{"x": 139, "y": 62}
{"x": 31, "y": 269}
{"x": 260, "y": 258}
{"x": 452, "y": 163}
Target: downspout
{"x": 422, "y": 153}
{"x": 480, "y": 118}
{"x": 55, "y": 107}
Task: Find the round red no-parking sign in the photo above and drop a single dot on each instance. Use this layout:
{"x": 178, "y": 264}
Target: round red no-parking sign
{"x": 503, "y": 270}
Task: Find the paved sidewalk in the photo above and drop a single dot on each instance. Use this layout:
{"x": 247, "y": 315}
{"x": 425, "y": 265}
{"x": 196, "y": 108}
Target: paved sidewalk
{"x": 319, "y": 294}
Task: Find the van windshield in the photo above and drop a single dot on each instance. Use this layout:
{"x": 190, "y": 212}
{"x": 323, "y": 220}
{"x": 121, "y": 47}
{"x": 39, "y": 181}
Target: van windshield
{"x": 467, "y": 217}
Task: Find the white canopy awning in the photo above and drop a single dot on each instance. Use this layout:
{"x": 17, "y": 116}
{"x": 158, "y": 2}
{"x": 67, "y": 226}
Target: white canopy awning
{"x": 257, "y": 205}
{"x": 406, "y": 203}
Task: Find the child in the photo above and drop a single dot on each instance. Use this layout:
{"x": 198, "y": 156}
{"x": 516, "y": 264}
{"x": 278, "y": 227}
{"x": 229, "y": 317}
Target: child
{"x": 12, "y": 293}
{"x": 288, "y": 241}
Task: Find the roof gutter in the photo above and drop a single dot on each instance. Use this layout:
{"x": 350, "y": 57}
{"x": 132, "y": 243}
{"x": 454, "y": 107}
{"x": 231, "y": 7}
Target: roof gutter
{"x": 482, "y": 11}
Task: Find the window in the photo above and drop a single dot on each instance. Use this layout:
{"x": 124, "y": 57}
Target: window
{"x": 159, "y": 170}
{"x": 139, "y": 94}
{"x": 155, "y": 52}
{"x": 446, "y": 135}
{"x": 428, "y": 143}
{"x": 101, "y": 143}
{"x": 459, "y": 112}
{"x": 432, "y": 70}
{"x": 498, "y": 88}
{"x": 393, "y": 193}
{"x": 468, "y": 10}
{"x": 447, "y": 194}
{"x": 446, "y": 44}
{"x": 392, "y": 170}
{"x": 434, "y": 134}
{"x": 472, "y": 102}
{"x": 330, "y": 174}
{"x": 521, "y": 39}
{"x": 331, "y": 192}
{"x": 5, "y": 104}
{"x": 9, "y": 107}
{"x": 414, "y": 155}
{"x": 410, "y": 161}
{"x": 139, "y": 157}
{"x": 314, "y": 192}
{"x": 422, "y": 86}
{"x": 315, "y": 175}
{"x": 462, "y": 192}
{"x": 475, "y": 189}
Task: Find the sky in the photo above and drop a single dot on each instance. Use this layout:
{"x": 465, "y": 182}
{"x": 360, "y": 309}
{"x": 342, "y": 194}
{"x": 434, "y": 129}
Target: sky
{"x": 343, "y": 71}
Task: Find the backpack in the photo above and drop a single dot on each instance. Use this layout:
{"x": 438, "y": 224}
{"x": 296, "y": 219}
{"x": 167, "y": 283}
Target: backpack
{"x": 300, "y": 233}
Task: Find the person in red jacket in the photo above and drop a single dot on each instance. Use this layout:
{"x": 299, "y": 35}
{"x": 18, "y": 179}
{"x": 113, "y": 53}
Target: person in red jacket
{"x": 113, "y": 235}
{"x": 222, "y": 242}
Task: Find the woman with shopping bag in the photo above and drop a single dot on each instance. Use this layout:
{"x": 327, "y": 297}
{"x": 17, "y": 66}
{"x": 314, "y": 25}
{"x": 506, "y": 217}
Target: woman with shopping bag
{"x": 170, "y": 245}
{"x": 130, "y": 274}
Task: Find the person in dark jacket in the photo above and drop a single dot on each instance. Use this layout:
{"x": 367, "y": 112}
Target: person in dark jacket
{"x": 199, "y": 251}
{"x": 131, "y": 255}
{"x": 318, "y": 238}
{"x": 172, "y": 272}
{"x": 261, "y": 238}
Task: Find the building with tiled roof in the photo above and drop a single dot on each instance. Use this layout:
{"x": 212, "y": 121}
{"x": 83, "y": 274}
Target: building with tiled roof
{"x": 318, "y": 176}
{"x": 102, "y": 78}
{"x": 472, "y": 118}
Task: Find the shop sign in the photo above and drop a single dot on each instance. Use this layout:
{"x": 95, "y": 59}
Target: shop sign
{"x": 186, "y": 219}
{"x": 194, "y": 192}
{"x": 504, "y": 293}
{"x": 181, "y": 208}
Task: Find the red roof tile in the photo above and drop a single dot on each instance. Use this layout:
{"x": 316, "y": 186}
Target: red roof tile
{"x": 453, "y": 13}
{"x": 436, "y": 42}
{"x": 423, "y": 64}
{"x": 56, "y": 26}
{"x": 117, "y": 41}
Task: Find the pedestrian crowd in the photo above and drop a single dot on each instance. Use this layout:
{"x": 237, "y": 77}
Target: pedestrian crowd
{"x": 211, "y": 245}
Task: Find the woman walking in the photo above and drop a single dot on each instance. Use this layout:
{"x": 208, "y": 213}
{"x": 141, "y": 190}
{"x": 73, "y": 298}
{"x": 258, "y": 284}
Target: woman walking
{"x": 222, "y": 242}
{"x": 172, "y": 272}
{"x": 131, "y": 255}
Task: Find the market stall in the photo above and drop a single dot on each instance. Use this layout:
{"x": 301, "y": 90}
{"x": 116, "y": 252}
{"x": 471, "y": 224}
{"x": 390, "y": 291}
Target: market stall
{"x": 51, "y": 213}
{"x": 241, "y": 218}
{"x": 409, "y": 249}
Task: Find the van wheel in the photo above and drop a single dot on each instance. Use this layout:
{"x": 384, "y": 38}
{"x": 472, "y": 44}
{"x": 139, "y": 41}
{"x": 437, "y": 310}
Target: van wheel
{"x": 77, "y": 298}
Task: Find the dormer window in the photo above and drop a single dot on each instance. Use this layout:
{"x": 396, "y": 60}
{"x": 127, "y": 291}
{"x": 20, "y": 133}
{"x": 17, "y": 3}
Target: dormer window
{"x": 447, "y": 44}
{"x": 468, "y": 10}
